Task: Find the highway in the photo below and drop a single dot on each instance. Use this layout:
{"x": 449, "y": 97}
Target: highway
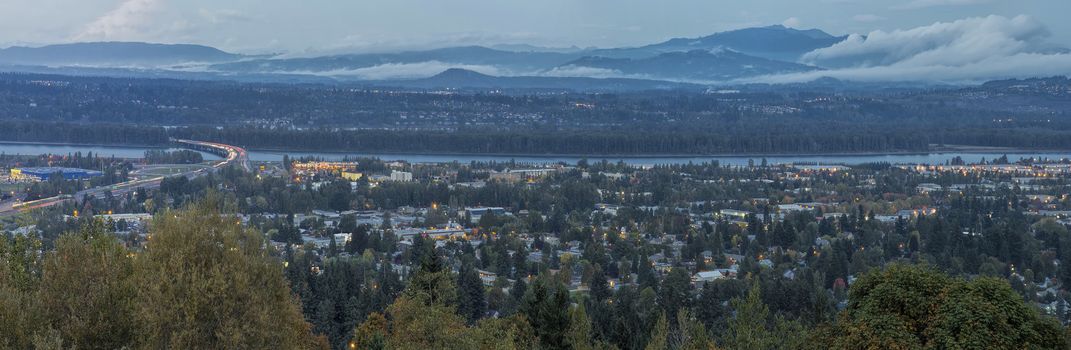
{"x": 232, "y": 155}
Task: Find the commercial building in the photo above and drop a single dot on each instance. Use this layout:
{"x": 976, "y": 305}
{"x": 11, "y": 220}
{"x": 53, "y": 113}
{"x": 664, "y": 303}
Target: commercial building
{"x": 44, "y": 173}
{"x": 476, "y": 213}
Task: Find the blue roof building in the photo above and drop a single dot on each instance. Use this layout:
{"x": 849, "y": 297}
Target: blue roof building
{"x": 43, "y": 173}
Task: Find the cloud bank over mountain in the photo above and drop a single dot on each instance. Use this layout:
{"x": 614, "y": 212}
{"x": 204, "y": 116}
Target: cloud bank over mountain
{"x": 972, "y": 49}
{"x": 391, "y": 71}
{"x": 968, "y": 50}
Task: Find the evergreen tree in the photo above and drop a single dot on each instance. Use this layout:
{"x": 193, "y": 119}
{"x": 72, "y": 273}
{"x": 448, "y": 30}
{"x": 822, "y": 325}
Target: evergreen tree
{"x": 659, "y": 335}
{"x": 546, "y": 304}
{"x": 471, "y": 303}
{"x": 746, "y": 330}
{"x": 579, "y": 336}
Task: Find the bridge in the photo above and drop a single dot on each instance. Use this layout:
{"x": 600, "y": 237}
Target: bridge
{"x": 231, "y": 155}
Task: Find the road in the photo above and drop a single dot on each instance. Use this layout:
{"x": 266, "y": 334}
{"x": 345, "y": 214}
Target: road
{"x": 234, "y": 155}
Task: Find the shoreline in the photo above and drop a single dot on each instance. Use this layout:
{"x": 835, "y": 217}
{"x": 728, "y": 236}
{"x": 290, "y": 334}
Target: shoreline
{"x": 950, "y": 149}
{"x": 1008, "y": 151}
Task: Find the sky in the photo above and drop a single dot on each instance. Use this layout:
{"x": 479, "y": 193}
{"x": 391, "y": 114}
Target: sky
{"x": 306, "y": 27}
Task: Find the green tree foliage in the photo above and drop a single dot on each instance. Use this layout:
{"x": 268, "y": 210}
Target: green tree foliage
{"x": 87, "y": 291}
{"x": 510, "y": 333}
{"x": 747, "y": 330}
{"x": 471, "y": 295}
{"x": 912, "y": 307}
{"x": 419, "y": 325}
{"x": 19, "y": 278}
{"x": 546, "y": 304}
{"x": 690, "y": 334}
{"x": 676, "y": 292}
{"x": 659, "y": 335}
{"x": 204, "y": 281}
{"x": 754, "y": 327}
{"x": 425, "y": 316}
{"x": 372, "y": 334}
{"x": 432, "y": 283}
{"x": 579, "y": 335}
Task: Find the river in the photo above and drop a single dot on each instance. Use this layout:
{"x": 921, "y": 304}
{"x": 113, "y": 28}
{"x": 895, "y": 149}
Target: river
{"x": 925, "y": 158}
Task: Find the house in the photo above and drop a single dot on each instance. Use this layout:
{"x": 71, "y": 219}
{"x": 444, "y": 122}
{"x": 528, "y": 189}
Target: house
{"x": 706, "y": 276}
{"x": 911, "y": 213}
{"x": 487, "y": 277}
{"x": 455, "y": 232}
{"x": 734, "y": 214}
{"x": 924, "y": 188}
{"x": 517, "y": 175}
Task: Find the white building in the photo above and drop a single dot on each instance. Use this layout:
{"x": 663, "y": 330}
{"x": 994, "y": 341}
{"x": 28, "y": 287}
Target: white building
{"x": 401, "y": 176}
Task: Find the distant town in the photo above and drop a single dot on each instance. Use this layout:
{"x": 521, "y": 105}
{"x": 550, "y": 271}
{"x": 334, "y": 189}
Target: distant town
{"x": 607, "y": 231}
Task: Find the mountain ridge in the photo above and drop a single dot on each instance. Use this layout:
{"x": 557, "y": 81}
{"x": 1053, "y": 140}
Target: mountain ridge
{"x": 114, "y": 53}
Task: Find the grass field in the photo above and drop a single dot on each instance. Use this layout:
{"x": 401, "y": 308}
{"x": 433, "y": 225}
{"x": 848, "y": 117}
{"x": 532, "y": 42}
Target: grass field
{"x": 168, "y": 170}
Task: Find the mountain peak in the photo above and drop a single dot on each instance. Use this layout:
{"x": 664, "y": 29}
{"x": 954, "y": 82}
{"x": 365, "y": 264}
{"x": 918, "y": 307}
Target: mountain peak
{"x": 460, "y": 73}
{"x": 773, "y": 42}
{"x": 809, "y": 33}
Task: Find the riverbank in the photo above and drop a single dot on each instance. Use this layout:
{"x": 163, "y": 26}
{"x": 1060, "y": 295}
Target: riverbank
{"x": 940, "y": 150}
{"x": 937, "y": 157}
{"x": 934, "y": 149}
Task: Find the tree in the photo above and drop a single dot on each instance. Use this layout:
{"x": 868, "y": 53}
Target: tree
{"x": 419, "y": 325}
{"x": 371, "y": 334}
{"x": 579, "y": 335}
{"x": 19, "y": 267}
{"x": 432, "y": 283}
{"x": 747, "y": 329}
{"x": 510, "y": 333}
{"x": 87, "y": 290}
{"x": 1008, "y": 323}
{"x": 420, "y": 322}
{"x": 676, "y": 292}
{"x": 546, "y": 306}
{"x": 659, "y": 335}
{"x": 691, "y": 335}
{"x": 204, "y": 281}
{"x": 471, "y": 300}
{"x": 912, "y": 307}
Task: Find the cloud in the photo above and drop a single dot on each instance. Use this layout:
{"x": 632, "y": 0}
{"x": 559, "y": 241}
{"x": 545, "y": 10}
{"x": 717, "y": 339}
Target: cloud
{"x": 398, "y": 71}
{"x": 966, "y": 50}
{"x": 791, "y": 22}
{"x": 1024, "y": 65}
{"x": 223, "y": 16}
{"x": 584, "y": 71}
{"x": 867, "y": 18}
{"x": 943, "y": 43}
{"x": 919, "y": 4}
{"x": 128, "y": 21}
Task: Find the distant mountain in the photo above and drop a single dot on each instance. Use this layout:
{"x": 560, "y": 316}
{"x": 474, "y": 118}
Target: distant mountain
{"x": 718, "y": 57}
{"x": 773, "y": 42}
{"x": 517, "y": 62}
{"x": 533, "y": 48}
{"x": 113, "y": 54}
{"x": 696, "y": 65}
{"x": 461, "y": 78}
